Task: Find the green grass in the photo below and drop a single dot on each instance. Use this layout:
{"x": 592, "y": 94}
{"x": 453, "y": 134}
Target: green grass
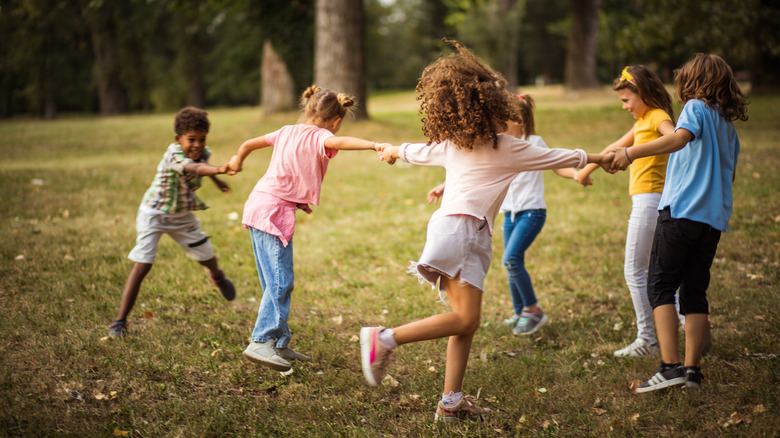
{"x": 70, "y": 191}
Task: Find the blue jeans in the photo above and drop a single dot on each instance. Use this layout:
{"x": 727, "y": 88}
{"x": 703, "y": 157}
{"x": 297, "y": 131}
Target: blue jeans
{"x": 518, "y": 236}
{"x": 275, "y": 269}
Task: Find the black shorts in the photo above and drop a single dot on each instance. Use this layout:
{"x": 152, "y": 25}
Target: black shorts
{"x": 681, "y": 257}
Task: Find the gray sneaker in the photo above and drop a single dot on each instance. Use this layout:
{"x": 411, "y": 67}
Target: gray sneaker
{"x": 264, "y": 353}
{"x": 290, "y": 355}
{"x": 529, "y": 323}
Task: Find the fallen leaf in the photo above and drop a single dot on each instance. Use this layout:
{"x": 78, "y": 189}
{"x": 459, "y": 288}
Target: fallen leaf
{"x": 618, "y": 326}
{"x": 288, "y": 372}
{"x": 634, "y": 385}
{"x": 148, "y": 314}
{"x": 118, "y": 432}
{"x": 233, "y": 216}
{"x": 756, "y": 175}
{"x": 100, "y": 396}
{"x": 216, "y": 352}
{"x": 388, "y": 380}
{"x": 736, "y": 417}
{"x": 65, "y": 213}
{"x": 36, "y": 182}
{"x": 354, "y": 338}
{"x": 599, "y": 411}
{"x": 338, "y": 319}
{"x": 542, "y": 390}
{"x": 483, "y": 356}
{"x": 69, "y": 257}
{"x": 105, "y": 338}
{"x": 432, "y": 369}
{"x": 635, "y": 418}
{"x": 19, "y": 257}
{"x": 759, "y": 409}
{"x": 545, "y": 424}
{"x": 113, "y": 395}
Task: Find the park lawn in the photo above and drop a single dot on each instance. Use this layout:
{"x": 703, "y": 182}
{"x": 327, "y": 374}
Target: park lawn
{"x": 70, "y": 192}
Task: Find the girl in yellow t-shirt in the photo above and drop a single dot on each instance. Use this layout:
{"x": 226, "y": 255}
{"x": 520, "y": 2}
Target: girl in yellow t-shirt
{"x": 645, "y": 97}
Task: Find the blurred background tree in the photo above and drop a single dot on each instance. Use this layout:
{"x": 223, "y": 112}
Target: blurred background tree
{"x": 109, "y": 57}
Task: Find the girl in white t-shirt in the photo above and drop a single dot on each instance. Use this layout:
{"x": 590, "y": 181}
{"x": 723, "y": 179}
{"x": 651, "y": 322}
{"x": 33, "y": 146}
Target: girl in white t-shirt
{"x": 524, "y": 215}
{"x": 466, "y": 106}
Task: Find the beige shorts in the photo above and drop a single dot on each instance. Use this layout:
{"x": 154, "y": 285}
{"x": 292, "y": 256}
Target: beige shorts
{"x": 456, "y": 245}
{"x": 183, "y": 227}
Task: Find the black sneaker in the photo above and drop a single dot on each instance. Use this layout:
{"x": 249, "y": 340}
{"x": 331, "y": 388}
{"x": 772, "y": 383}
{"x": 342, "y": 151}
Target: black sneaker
{"x": 663, "y": 379}
{"x": 693, "y": 377}
{"x": 225, "y": 286}
{"x": 118, "y": 329}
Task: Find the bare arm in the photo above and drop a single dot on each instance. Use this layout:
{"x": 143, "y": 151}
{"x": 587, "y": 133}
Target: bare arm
{"x": 623, "y": 142}
{"x": 204, "y": 169}
{"x": 352, "y": 144}
{"x": 662, "y": 145}
{"x": 246, "y": 148}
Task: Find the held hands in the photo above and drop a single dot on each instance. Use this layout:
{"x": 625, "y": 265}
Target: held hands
{"x": 389, "y": 154}
{"x": 233, "y": 166}
{"x": 621, "y": 160}
{"x": 435, "y": 194}
{"x": 606, "y": 162}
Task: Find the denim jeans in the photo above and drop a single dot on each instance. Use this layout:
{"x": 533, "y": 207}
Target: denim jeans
{"x": 275, "y": 269}
{"x": 519, "y": 234}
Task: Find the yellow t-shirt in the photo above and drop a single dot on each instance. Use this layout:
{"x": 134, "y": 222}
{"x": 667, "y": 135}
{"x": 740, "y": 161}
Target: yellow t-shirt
{"x": 646, "y": 175}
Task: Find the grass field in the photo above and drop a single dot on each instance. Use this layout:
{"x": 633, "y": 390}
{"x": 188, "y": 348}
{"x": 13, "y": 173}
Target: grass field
{"x": 70, "y": 192}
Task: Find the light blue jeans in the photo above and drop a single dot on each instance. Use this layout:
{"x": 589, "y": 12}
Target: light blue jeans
{"x": 519, "y": 234}
{"x": 275, "y": 269}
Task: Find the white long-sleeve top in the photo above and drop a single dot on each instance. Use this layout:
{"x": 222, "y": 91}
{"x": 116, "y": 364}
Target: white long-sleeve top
{"x": 526, "y": 192}
{"x": 476, "y": 181}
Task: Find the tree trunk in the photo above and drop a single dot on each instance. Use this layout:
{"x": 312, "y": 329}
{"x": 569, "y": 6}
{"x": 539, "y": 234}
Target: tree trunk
{"x": 278, "y": 91}
{"x": 110, "y": 91}
{"x": 339, "y": 50}
{"x": 583, "y": 44}
{"x": 510, "y": 68}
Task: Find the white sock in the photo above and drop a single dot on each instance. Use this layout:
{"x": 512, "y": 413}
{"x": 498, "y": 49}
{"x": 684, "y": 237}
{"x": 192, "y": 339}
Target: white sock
{"x": 451, "y": 399}
{"x": 386, "y": 337}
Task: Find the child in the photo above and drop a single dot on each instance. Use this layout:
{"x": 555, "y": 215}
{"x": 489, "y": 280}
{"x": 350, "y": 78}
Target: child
{"x": 466, "y": 105}
{"x": 694, "y": 209}
{"x": 644, "y": 97}
{"x": 524, "y": 215}
{"x": 293, "y": 180}
{"x": 167, "y": 208}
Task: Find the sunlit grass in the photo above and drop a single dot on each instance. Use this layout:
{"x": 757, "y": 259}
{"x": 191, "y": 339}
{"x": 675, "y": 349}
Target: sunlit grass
{"x": 71, "y": 189}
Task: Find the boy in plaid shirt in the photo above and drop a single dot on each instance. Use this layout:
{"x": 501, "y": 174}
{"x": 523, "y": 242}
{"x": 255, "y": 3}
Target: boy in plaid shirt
{"x": 167, "y": 208}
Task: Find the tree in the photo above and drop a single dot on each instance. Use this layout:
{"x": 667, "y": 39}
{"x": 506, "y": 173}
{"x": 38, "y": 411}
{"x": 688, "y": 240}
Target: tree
{"x": 278, "y": 87}
{"x": 583, "y": 44}
{"x": 339, "y": 50}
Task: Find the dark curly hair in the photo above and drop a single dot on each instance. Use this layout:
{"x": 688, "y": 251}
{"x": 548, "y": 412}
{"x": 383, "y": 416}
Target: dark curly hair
{"x": 710, "y": 78}
{"x": 191, "y": 119}
{"x": 463, "y": 100}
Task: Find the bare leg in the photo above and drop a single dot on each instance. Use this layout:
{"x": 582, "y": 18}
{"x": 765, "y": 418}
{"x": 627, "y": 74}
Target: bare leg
{"x": 213, "y": 267}
{"x": 696, "y": 325}
{"x": 667, "y": 326}
{"x": 132, "y": 287}
{"x": 460, "y": 325}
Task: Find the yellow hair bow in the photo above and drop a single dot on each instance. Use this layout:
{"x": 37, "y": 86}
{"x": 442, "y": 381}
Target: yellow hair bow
{"x": 626, "y": 76}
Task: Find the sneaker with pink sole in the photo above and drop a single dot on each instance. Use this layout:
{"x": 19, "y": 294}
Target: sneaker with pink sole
{"x": 375, "y": 357}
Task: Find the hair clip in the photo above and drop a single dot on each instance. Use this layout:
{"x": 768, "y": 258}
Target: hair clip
{"x": 626, "y": 76}
{"x": 520, "y": 96}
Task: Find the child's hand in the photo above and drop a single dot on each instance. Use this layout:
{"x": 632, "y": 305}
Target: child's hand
{"x": 620, "y": 161}
{"x": 222, "y": 185}
{"x": 584, "y": 181}
{"x": 606, "y": 162}
{"x": 435, "y": 194}
{"x": 389, "y": 154}
{"x": 234, "y": 165}
{"x": 379, "y": 147}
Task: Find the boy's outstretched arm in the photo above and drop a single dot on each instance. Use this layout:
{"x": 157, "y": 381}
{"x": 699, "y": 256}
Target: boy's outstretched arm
{"x": 221, "y": 185}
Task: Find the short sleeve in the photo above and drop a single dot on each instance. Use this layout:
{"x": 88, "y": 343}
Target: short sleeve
{"x": 177, "y": 159}
{"x": 690, "y": 118}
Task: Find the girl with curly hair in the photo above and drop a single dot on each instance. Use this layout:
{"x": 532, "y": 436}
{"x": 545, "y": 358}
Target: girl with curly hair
{"x": 465, "y": 105}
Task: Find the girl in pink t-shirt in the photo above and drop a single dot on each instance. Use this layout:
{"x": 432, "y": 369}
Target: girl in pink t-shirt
{"x": 293, "y": 180}
{"x": 466, "y": 105}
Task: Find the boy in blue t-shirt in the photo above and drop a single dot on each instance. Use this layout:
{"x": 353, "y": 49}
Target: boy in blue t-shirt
{"x": 167, "y": 208}
{"x": 694, "y": 209}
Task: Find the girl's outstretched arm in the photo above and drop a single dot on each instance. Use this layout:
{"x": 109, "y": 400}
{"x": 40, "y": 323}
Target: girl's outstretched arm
{"x": 247, "y": 147}
{"x": 583, "y": 176}
{"x": 353, "y": 144}
{"x": 662, "y": 145}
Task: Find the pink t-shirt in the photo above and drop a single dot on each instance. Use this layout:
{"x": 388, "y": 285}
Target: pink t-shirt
{"x": 293, "y": 179}
{"x": 477, "y": 180}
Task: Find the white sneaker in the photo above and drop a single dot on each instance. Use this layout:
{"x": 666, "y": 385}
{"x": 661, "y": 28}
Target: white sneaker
{"x": 638, "y": 348}
{"x": 264, "y": 353}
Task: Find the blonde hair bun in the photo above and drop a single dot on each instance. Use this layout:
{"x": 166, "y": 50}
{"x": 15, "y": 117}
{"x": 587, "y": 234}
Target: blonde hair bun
{"x": 311, "y": 91}
{"x": 345, "y": 100}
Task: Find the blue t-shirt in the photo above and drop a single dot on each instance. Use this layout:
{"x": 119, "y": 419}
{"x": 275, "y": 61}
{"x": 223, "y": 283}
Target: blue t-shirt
{"x": 698, "y": 177}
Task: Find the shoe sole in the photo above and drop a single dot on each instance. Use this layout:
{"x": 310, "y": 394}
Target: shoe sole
{"x": 273, "y": 365}
{"x": 365, "y": 354}
{"x": 666, "y": 384}
{"x": 541, "y": 323}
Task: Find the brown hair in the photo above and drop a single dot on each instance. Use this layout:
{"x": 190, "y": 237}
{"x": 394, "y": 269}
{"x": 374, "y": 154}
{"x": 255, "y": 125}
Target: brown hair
{"x": 709, "y": 78}
{"x": 191, "y": 119}
{"x": 463, "y": 100}
{"x": 648, "y": 86}
{"x": 525, "y": 108}
{"x": 321, "y": 104}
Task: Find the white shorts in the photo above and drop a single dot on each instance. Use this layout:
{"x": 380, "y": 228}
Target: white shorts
{"x": 183, "y": 227}
{"x": 456, "y": 245}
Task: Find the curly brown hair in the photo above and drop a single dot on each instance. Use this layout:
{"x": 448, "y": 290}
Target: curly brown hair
{"x": 648, "y": 86}
{"x": 709, "y": 78}
{"x": 191, "y": 119}
{"x": 321, "y": 104}
{"x": 463, "y": 100}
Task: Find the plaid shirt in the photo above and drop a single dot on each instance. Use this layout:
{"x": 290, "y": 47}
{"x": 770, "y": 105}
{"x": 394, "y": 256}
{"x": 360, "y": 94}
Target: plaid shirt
{"x": 173, "y": 190}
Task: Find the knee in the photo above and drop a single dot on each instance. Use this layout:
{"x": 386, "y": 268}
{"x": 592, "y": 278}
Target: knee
{"x": 467, "y": 324}
{"x": 513, "y": 261}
